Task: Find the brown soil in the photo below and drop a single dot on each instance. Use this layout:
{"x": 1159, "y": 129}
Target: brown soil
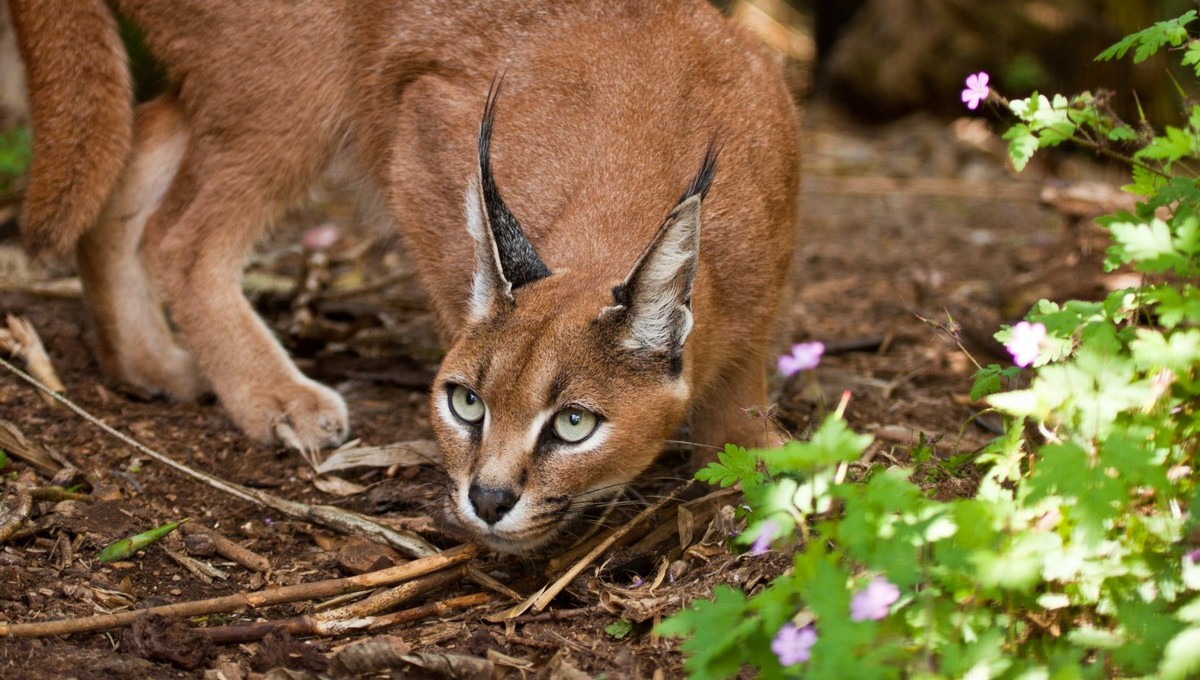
{"x": 913, "y": 221}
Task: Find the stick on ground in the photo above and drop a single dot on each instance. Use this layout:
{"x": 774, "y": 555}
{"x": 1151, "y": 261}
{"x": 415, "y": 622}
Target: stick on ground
{"x": 324, "y": 624}
{"x": 238, "y": 601}
{"x": 326, "y": 515}
{"x": 229, "y": 549}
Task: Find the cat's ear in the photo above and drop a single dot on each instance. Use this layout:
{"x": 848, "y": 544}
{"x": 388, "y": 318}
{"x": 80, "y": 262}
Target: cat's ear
{"x": 655, "y": 299}
{"x": 504, "y": 257}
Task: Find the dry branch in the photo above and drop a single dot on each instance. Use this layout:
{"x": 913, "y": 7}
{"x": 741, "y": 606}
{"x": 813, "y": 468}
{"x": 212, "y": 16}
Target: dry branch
{"x": 540, "y": 598}
{"x": 330, "y": 623}
{"x": 14, "y": 442}
{"x": 387, "y": 600}
{"x": 432, "y": 609}
{"x": 57, "y": 493}
{"x": 325, "y": 515}
{"x": 557, "y": 587}
{"x": 239, "y": 601}
{"x": 228, "y": 549}
{"x": 201, "y": 570}
{"x": 12, "y": 522}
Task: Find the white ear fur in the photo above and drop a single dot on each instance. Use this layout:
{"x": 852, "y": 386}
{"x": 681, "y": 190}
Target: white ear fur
{"x": 659, "y": 287}
{"x": 488, "y": 279}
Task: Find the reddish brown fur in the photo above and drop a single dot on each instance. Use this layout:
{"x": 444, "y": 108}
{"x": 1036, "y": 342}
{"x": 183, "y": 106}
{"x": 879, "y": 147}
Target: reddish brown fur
{"x": 606, "y": 111}
{"x": 80, "y": 139}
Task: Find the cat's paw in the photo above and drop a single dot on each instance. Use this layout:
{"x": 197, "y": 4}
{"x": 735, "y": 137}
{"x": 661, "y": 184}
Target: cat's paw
{"x": 301, "y": 414}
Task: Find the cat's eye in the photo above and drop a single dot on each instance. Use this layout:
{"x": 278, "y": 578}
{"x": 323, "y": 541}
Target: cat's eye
{"x": 573, "y": 425}
{"x": 466, "y": 404}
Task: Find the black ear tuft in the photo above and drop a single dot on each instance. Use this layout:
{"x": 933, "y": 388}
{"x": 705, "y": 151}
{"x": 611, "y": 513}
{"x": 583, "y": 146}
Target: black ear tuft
{"x": 519, "y": 262}
{"x": 708, "y": 170}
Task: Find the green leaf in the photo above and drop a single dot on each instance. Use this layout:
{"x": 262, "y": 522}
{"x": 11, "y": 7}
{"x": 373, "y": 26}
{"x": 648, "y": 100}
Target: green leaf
{"x": 126, "y": 547}
{"x": 1145, "y": 181}
{"x": 1021, "y": 145}
{"x": 619, "y": 629}
{"x": 1191, "y": 56}
{"x": 1094, "y": 638}
{"x": 1148, "y": 625}
{"x": 832, "y": 443}
{"x": 714, "y": 630}
{"x": 1181, "y": 658}
{"x": 1179, "y": 352}
{"x": 1175, "y": 307}
{"x": 1172, "y": 146}
{"x": 990, "y": 380}
{"x": 733, "y": 465}
{"x": 1122, "y": 133}
{"x": 1149, "y": 244}
{"x": 1148, "y": 41}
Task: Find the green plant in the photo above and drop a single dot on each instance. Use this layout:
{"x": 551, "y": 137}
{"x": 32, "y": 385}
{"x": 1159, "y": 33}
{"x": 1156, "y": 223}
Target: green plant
{"x": 1079, "y": 556}
{"x": 15, "y": 152}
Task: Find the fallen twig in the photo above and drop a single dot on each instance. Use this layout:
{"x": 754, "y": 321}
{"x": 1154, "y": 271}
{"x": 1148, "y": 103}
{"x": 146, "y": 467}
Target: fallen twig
{"x": 556, "y": 615}
{"x": 325, "y": 515}
{"x": 14, "y": 442}
{"x": 57, "y": 493}
{"x": 12, "y": 522}
{"x": 550, "y": 593}
{"x": 229, "y": 549}
{"x": 337, "y": 621}
{"x": 540, "y": 598}
{"x": 239, "y": 601}
{"x": 201, "y": 570}
{"x": 386, "y": 600}
{"x": 432, "y": 609}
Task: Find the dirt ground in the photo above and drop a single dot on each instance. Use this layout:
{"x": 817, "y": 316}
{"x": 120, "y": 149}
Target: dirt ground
{"x": 915, "y": 221}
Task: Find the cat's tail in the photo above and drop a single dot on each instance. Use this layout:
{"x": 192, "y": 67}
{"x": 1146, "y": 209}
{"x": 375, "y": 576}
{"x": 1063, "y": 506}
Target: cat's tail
{"x": 81, "y": 104}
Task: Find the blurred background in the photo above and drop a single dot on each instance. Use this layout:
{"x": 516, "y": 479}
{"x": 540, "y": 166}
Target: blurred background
{"x": 911, "y": 209}
{"x": 883, "y": 59}
{"x": 874, "y": 60}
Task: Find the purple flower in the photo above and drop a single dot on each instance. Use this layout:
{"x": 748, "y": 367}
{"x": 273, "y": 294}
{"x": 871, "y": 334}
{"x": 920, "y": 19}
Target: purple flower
{"x": 804, "y": 357}
{"x": 976, "y": 91}
{"x": 767, "y": 531}
{"x": 873, "y": 601}
{"x": 792, "y": 644}
{"x": 1025, "y": 342}
{"x": 1194, "y": 556}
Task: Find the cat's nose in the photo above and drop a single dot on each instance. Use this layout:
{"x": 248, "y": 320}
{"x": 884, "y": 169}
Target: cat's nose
{"x": 491, "y": 505}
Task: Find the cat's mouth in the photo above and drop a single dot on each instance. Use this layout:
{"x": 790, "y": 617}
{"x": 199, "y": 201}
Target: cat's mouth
{"x": 556, "y": 524}
{"x": 525, "y": 541}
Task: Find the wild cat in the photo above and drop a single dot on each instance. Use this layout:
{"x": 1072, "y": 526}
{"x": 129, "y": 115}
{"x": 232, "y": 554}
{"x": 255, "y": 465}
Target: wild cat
{"x": 605, "y": 238}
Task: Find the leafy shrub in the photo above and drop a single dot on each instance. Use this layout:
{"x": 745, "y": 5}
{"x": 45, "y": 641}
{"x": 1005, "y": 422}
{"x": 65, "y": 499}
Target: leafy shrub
{"x": 1078, "y": 557}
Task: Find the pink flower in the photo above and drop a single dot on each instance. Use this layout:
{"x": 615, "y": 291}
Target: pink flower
{"x": 873, "y": 601}
{"x": 976, "y": 91}
{"x": 320, "y": 237}
{"x": 804, "y": 357}
{"x": 767, "y": 531}
{"x": 792, "y": 644}
{"x": 1025, "y": 342}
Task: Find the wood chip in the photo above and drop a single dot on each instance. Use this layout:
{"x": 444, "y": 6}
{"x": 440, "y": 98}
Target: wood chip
{"x": 415, "y": 452}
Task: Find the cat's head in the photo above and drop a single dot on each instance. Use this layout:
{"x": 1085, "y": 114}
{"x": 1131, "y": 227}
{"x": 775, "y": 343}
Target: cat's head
{"x": 559, "y": 389}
